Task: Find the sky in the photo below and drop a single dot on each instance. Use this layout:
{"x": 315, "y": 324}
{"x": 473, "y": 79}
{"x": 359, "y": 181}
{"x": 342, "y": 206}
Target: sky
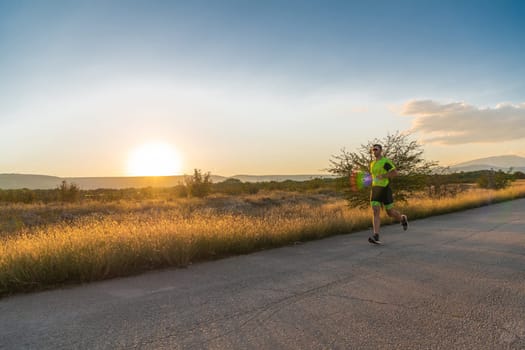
{"x": 117, "y": 88}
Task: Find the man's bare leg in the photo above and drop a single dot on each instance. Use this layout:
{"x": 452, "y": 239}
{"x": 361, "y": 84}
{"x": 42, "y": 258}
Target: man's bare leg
{"x": 376, "y": 222}
{"x": 394, "y": 214}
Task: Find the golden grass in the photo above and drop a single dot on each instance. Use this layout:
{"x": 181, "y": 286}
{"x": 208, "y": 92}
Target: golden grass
{"x": 470, "y": 199}
{"x": 121, "y": 242}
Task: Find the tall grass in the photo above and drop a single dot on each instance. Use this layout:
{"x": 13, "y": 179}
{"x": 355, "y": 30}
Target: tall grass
{"x": 123, "y": 242}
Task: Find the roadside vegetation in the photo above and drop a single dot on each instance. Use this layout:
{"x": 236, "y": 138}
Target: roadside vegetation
{"x": 67, "y": 235}
{"x": 44, "y": 246}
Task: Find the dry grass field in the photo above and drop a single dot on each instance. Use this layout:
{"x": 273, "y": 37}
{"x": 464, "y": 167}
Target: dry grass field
{"x": 44, "y": 246}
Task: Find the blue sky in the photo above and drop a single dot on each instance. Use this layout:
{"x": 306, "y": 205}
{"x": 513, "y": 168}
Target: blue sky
{"x": 255, "y": 87}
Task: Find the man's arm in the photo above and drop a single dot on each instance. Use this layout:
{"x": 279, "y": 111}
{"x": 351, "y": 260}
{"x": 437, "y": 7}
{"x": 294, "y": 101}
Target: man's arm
{"x": 392, "y": 173}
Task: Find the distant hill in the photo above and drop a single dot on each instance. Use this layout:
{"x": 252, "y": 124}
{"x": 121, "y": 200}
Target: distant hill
{"x": 17, "y": 181}
{"x": 504, "y": 163}
{"x": 13, "y": 181}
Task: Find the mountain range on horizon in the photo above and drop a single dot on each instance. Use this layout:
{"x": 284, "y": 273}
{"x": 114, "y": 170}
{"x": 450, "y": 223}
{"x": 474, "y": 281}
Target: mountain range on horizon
{"x": 30, "y": 181}
{"x": 505, "y": 162}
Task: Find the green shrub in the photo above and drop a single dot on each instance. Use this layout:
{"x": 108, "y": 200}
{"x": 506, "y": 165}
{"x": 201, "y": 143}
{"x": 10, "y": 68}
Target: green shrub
{"x": 198, "y": 185}
{"x": 494, "y": 180}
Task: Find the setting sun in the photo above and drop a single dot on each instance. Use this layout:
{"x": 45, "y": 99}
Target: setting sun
{"x": 154, "y": 159}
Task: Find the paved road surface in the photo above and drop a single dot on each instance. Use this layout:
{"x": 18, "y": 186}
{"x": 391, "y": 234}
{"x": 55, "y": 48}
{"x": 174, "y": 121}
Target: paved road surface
{"x": 451, "y": 282}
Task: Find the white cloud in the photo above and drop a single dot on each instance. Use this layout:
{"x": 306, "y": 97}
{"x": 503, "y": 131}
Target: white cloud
{"x": 461, "y": 123}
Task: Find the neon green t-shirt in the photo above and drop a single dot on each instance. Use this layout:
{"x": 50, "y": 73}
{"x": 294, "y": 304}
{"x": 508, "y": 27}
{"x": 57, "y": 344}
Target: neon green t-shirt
{"x": 380, "y": 167}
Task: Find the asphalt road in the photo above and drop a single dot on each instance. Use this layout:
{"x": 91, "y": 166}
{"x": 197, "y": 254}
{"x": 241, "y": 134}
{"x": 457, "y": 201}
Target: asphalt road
{"x": 455, "y": 281}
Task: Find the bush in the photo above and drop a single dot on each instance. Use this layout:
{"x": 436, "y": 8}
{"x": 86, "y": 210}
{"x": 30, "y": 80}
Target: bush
{"x": 23, "y": 195}
{"x": 68, "y": 192}
{"x": 494, "y": 180}
{"x": 198, "y": 185}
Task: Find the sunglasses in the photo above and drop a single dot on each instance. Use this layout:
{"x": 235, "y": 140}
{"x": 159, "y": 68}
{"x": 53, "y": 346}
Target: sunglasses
{"x": 375, "y": 149}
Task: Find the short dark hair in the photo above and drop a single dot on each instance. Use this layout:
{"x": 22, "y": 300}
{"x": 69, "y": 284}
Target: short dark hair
{"x": 378, "y": 145}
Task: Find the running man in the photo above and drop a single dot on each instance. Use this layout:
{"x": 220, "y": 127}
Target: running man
{"x": 382, "y": 170}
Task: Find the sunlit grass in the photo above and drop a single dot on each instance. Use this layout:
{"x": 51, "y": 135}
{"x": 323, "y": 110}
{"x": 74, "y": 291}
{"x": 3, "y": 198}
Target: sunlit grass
{"x": 128, "y": 238}
{"x": 470, "y": 199}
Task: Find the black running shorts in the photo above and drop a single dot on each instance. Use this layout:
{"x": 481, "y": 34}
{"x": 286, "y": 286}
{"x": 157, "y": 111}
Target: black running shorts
{"x": 381, "y": 195}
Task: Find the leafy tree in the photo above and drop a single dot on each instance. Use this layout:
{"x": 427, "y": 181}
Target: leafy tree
{"x": 406, "y": 154}
{"x": 198, "y": 185}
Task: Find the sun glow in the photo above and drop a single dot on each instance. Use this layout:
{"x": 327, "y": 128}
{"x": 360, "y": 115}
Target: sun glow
{"x": 154, "y": 159}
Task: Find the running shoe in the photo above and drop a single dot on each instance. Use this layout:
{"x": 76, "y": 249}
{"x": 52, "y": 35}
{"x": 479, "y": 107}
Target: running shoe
{"x": 374, "y": 239}
{"x": 404, "y": 222}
